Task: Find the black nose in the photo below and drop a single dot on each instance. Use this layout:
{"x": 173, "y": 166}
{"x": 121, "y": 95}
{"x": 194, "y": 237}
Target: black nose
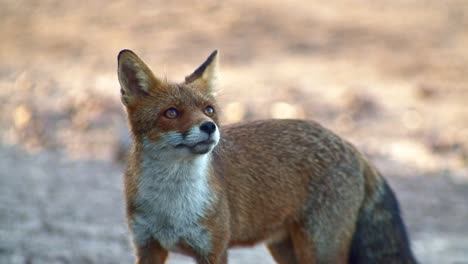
{"x": 208, "y": 127}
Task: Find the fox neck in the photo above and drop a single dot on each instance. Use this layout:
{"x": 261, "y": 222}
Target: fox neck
{"x": 171, "y": 195}
{"x": 174, "y": 182}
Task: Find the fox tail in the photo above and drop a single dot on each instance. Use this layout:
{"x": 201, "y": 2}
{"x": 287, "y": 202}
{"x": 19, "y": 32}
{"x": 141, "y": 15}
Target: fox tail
{"x": 380, "y": 235}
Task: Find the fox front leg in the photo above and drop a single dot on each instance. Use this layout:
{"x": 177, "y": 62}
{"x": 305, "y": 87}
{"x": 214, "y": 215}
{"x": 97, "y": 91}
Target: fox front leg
{"x": 216, "y": 258}
{"x": 151, "y": 253}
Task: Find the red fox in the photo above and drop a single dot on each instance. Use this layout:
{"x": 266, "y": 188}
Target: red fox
{"x": 196, "y": 188}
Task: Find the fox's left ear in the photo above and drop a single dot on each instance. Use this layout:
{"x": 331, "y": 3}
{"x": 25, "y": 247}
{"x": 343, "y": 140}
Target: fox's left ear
{"x": 204, "y": 77}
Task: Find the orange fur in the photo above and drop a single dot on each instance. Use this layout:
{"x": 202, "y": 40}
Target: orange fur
{"x": 292, "y": 184}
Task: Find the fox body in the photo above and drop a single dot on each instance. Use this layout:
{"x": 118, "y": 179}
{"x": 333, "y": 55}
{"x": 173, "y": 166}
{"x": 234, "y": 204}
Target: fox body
{"x": 196, "y": 188}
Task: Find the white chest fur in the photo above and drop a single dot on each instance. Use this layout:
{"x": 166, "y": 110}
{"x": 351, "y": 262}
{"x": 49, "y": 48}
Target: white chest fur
{"x": 172, "y": 197}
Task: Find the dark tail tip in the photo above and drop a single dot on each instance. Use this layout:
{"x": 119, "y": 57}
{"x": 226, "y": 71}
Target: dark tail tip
{"x": 380, "y": 235}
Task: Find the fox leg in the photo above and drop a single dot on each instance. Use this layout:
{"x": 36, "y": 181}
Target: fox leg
{"x": 283, "y": 251}
{"x": 218, "y": 252}
{"x": 304, "y": 246}
{"x": 220, "y": 258}
{"x": 217, "y": 225}
{"x": 151, "y": 253}
{"x": 331, "y": 243}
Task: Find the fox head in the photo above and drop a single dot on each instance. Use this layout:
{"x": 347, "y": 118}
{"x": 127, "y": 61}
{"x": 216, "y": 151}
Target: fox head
{"x": 178, "y": 119}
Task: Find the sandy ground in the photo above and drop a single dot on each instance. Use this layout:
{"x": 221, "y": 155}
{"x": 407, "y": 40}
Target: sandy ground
{"x": 389, "y": 76}
{"x": 59, "y": 211}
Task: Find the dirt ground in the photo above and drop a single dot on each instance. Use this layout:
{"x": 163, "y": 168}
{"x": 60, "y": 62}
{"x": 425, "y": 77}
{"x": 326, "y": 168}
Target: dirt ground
{"x": 390, "y": 76}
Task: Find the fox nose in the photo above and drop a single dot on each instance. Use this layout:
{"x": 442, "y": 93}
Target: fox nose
{"x": 208, "y": 127}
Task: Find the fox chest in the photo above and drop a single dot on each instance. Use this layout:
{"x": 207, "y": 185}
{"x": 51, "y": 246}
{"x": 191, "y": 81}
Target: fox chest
{"x": 171, "y": 212}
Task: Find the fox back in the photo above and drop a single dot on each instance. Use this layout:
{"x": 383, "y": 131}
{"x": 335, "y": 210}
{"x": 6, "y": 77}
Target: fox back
{"x": 197, "y": 188}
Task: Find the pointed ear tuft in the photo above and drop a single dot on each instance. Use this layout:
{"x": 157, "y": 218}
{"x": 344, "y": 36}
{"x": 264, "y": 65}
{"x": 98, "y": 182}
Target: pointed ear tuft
{"x": 205, "y": 75}
{"x": 135, "y": 77}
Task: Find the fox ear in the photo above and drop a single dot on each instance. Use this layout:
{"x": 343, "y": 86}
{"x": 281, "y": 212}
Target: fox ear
{"x": 136, "y": 79}
{"x": 204, "y": 77}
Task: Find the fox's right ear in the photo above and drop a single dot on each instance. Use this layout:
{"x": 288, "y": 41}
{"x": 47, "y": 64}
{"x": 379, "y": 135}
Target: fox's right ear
{"x": 136, "y": 79}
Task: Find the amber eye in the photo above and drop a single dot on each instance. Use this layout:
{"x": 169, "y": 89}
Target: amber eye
{"x": 209, "y": 111}
{"x": 171, "y": 113}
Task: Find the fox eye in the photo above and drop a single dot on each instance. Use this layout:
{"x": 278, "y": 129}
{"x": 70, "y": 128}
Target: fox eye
{"x": 209, "y": 111}
{"x": 171, "y": 113}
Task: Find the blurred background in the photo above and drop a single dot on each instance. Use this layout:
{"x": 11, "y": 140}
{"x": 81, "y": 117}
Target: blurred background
{"x": 390, "y": 76}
